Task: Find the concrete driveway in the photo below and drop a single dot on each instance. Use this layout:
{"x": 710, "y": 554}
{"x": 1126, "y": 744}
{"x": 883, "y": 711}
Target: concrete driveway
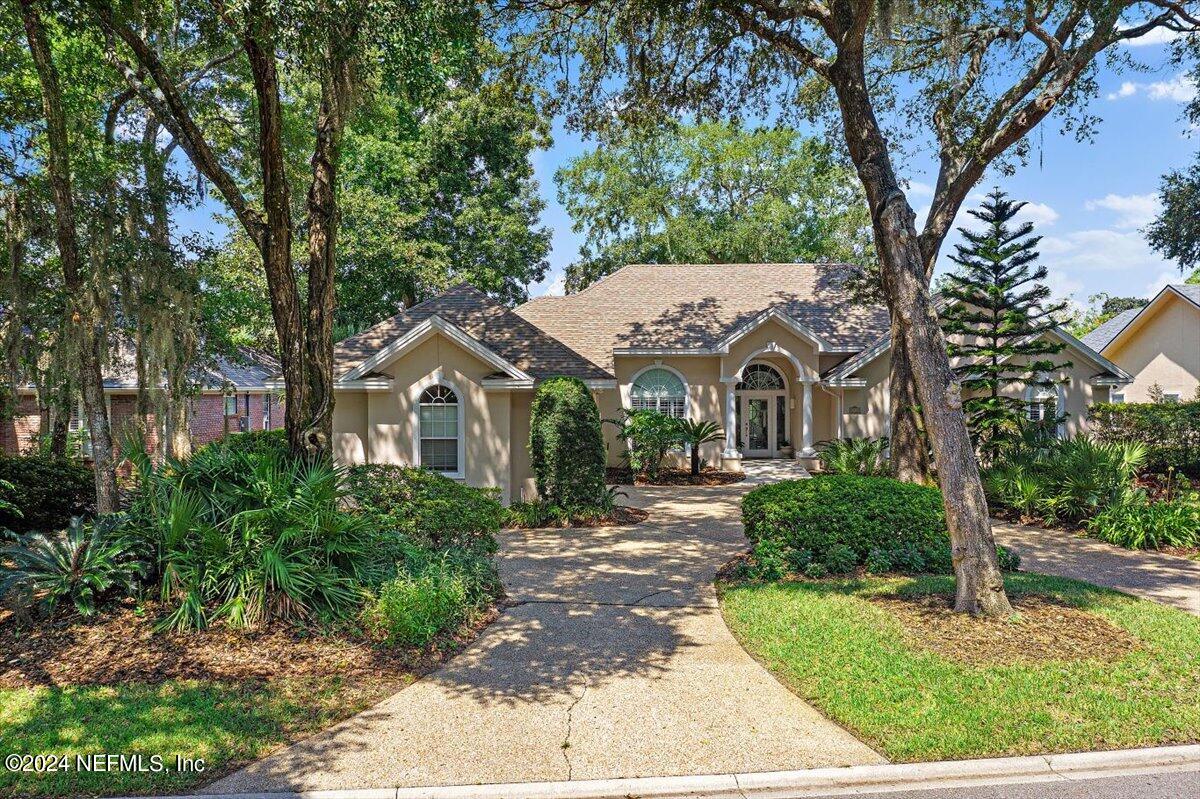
{"x": 1163, "y": 578}
{"x": 612, "y": 662}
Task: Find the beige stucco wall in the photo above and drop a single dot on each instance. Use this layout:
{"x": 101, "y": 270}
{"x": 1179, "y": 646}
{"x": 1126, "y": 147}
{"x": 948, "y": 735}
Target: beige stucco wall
{"x": 1163, "y": 347}
{"x": 378, "y": 426}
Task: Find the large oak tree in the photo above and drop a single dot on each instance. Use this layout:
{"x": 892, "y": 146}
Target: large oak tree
{"x": 978, "y": 75}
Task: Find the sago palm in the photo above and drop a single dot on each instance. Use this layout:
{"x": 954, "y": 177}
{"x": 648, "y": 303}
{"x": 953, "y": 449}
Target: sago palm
{"x": 693, "y": 434}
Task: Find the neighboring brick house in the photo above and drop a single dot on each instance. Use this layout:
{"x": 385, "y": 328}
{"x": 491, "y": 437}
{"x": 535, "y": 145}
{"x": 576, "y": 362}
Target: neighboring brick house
{"x": 233, "y": 396}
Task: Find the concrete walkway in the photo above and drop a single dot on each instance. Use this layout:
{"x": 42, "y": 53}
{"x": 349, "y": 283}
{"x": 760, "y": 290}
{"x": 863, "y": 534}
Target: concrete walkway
{"x": 613, "y": 662}
{"x": 772, "y": 470}
{"x": 1163, "y": 578}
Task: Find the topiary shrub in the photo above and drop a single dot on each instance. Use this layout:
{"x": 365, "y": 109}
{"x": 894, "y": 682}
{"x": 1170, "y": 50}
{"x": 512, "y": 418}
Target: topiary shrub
{"x": 566, "y": 446}
{"x": 47, "y": 492}
{"x": 844, "y": 522}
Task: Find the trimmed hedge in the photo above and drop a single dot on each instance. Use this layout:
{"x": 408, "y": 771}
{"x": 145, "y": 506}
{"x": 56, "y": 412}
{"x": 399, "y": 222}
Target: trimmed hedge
{"x": 1170, "y": 431}
{"x": 837, "y": 523}
{"x": 49, "y": 491}
{"x": 427, "y": 508}
{"x": 566, "y": 445}
{"x": 255, "y": 442}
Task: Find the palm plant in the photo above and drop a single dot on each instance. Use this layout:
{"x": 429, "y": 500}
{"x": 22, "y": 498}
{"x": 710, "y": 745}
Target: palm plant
{"x": 80, "y": 565}
{"x": 867, "y": 456}
{"x": 250, "y": 537}
{"x": 694, "y": 434}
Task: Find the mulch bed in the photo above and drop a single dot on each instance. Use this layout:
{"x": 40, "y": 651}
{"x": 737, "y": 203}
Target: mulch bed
{"x": 121, "y": 646}
{"x": 1043, "y": 629}
{"x": 621, "y": 516}
{"x": 676, "y": 477}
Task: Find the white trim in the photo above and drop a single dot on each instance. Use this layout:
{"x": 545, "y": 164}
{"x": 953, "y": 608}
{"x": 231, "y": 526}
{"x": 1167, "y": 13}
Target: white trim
{"x": 421, "y": 332}
{"x": 1060, "y": 405}
{"x": 856, "y": 362}
{"x": 627, "y": 388}
{"x": 672, "y": 351}
{"x": 804, "y": 373}
{"x": 366, "y": 384}
{"x": 741, "y": 331}
{"x": 1146, "y": 308}
{"x": 418, "y": 388}
{"x": 600, "y": 383}
{"x": 846, "y": 382}
{"x": 1071, "y": 341}
{"x": 497, "y": 383}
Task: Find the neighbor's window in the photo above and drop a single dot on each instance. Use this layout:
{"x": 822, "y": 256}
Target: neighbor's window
{"x": 1043, "y": 403}
{"x": 1171, "y": 397}
{"x": 230, "y": 405}
{"x": 439, "y": 429}
{"x": 1117, "y": 398}
{"x": 659, "y": 390}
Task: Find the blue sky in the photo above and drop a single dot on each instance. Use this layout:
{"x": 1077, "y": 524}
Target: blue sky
{"x": 1088, "y": 200}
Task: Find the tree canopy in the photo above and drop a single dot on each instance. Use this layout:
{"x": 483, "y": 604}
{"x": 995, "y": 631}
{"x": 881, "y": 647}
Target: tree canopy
{"x": 712, "y": 192}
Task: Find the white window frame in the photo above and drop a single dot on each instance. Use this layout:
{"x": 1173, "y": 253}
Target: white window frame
{"x": 225, "y": 405}
{"x": 1117, "y": 397}
{"x": 1172, "y": 397}
{"x": 687, "y": 389}
{"x": 418, "y": 389}
{"x": 1060, "y": 402}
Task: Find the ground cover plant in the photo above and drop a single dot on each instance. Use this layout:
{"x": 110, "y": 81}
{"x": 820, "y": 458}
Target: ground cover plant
{"x": 885, "y": 658}
{"x": 1095, "y": 485}
{"x": 836, "y": 524}
{"x": 244, "y": 598}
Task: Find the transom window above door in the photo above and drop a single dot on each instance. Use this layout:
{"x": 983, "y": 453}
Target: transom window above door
{"x": 761, "y": 377}
{"x": 659, "y": 390}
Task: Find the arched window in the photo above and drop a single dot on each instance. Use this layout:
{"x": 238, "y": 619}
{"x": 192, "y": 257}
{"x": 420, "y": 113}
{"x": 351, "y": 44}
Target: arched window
{"x": 661, "y": 390}
{"x": 1041, "y": 403}
{"x": 440, "y": 429}
{"x": 761, "y": 377}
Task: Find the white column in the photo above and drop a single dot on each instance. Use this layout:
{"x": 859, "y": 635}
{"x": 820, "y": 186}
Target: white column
{"x": 730, "y": 420}
{"x": 806, "y": 423}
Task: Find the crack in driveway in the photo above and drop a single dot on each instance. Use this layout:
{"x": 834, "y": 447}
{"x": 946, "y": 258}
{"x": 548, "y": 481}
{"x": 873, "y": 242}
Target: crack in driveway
{"x": 566, "y": 744}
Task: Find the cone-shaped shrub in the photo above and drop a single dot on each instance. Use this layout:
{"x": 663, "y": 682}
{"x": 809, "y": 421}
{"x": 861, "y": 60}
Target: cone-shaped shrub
{"x": 566, "y": 446}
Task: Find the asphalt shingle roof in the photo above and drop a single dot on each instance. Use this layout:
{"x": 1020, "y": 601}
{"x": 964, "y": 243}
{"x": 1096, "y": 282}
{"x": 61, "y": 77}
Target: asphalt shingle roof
{"x": 1103, "y": 335}
{"x": 247, "y": 369}
{"x": 695, "y": 306}
{"x": 513, "y": 338}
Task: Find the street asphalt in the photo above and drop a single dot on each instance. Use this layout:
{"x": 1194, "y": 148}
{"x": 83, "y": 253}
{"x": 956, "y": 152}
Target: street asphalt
{"x": 1172, "y": 785}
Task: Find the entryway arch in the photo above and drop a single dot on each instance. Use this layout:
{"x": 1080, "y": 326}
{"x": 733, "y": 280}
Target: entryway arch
{"x": 763, "y": 410}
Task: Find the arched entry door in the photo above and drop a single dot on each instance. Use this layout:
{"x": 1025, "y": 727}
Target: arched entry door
{"x": 762, "y": 411}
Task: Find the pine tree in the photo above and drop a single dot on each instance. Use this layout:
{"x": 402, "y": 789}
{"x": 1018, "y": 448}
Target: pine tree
{"x": 996, "y": 312}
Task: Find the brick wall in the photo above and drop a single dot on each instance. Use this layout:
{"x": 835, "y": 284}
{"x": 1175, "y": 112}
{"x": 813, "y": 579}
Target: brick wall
{"x": 210, "y": 423}
{"x": 208, "y": 420}
{"x": 18, "y": 433}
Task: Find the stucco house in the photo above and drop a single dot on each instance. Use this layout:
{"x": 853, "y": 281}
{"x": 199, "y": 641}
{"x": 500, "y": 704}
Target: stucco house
{"x": 777, "y": 354}
{"x": 1158, "y": 344}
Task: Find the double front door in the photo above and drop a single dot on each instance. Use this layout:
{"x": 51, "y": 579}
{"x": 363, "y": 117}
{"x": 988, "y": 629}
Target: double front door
{"x": 763, "y": 423}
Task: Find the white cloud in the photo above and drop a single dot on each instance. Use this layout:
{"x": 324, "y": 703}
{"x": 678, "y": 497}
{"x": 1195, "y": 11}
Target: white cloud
{"x": 1090, "y": 251}
{"x": 556, "y": 288}
{"x": 1154, "y": 37}
{"x": 1179, "y": 89}
{"x": 918, "y": 189}
{"x": 1156, "y": 285}
{"x": 1133, "y": 210}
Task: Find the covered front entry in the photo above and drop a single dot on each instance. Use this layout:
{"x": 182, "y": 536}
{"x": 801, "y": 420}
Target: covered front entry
{"x": 763, "y": 421}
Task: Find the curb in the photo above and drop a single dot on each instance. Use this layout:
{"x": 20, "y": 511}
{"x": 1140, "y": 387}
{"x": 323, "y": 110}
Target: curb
{"x": 809, "y": 782}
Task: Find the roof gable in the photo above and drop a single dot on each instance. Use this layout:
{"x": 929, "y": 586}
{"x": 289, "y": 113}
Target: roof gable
{"x": 1125, "y": 324}
{"x": 511, "y": 344}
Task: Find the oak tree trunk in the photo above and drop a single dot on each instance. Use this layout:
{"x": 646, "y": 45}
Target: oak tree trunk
{"x": 909, "y": 448}
{"x": 82, "y": 309}
{"x": 322, "y": 265}
{"x": 275, "y": 241}
{"x": 979, "y": 582}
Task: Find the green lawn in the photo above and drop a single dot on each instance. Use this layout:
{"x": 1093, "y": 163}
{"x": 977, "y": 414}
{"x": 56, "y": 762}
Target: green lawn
{"x": 848, "y": 658}
{"x": 223, "y": 723}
